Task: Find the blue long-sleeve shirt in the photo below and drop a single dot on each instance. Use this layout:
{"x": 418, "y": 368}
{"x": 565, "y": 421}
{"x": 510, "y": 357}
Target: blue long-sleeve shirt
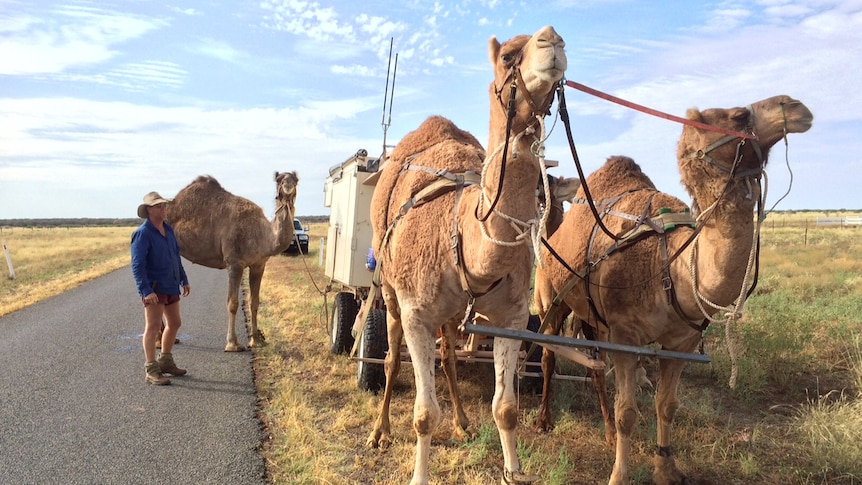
{"x": 156, "y": 264}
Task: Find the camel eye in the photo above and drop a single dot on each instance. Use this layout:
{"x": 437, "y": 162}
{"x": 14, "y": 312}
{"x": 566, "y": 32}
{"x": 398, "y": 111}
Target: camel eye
{"x": 740, "y": 116}
{"x": 507, "y": 58}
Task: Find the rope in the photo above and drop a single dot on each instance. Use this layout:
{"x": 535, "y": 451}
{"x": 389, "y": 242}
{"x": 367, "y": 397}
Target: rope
{"x": 733, "y": 312}
{"x": 322, "y": 292}
{"x": 533, "y": 229}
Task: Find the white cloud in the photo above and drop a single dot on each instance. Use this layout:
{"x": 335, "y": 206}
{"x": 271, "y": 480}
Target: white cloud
{"x": 217, "y": 49}
{"x": 101, "y": 145}
{"x": 355, "y": 70}
{"x": 68, "y": 37}
{"x": 308, "y": 19}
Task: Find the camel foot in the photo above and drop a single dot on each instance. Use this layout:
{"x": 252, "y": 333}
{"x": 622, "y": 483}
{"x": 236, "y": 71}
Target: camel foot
{"x": 257, "y": 340}
{"x": 517, "y": 477}
{"x": 611, "y": 437}
{"x": 378, "y": 439}
{"x": 666, "y": 472}
{"x": 543, "y": 423}
{"x": 234, "y": 347}
{"x": 461, "y": 434}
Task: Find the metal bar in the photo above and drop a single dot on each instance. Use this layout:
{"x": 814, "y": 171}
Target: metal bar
{"x": 560, "y": 377}
{"x": 540, "y": 338}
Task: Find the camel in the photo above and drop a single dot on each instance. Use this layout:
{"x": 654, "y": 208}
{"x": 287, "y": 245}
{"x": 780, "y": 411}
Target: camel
{"x": 640, "y": 297}
{"x": 561, "y": 189}
{"x": 220, "y": 230}
{"x": 448, "y": 250}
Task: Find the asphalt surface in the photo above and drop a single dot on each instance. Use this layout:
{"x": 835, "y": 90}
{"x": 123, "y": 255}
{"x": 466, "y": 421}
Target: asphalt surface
{"x": 74, "y": 407}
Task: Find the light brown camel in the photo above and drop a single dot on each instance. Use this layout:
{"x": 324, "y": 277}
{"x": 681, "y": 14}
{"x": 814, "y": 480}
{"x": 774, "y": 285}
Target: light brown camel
{"x": 220, "y": 230}
{"x": 421, "y": 272}
{"x": 628, "y": 287}
{"x": 561, "y": 189}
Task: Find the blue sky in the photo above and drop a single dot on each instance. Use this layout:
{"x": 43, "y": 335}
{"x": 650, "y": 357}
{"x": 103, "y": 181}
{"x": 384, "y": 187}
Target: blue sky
{"x": 101, "y": 102}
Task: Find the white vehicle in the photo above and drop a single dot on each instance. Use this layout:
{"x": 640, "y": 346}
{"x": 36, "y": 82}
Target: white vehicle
{"x": 300, "y": 238}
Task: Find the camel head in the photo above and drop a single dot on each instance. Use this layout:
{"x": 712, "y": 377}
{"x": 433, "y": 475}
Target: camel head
{"x": 705, "y": 155}
{"x": 535, "y": 64}
{"x": 285, "y": 192}
{"x": 564, "y": 189}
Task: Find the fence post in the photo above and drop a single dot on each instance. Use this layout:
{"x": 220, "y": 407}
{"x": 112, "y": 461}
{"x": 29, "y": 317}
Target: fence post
{"x": 320, "y": 253}
{"x": 9, "y": 262}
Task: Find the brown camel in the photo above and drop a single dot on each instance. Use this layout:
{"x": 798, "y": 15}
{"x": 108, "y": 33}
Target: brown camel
{"x": 629, "y": 287}
{"x": 426, "y": 279}
{"x": 561, "y": 189}
{"x": 220, "y": 230}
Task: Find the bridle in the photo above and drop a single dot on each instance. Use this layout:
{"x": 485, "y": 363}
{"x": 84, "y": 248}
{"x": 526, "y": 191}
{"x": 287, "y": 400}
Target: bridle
{"x": 516, "y": 82}
{"x": 702, "y": 154}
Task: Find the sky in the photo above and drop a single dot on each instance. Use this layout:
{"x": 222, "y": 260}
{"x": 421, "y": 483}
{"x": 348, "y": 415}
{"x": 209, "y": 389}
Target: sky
{"x": 104, "y": 101}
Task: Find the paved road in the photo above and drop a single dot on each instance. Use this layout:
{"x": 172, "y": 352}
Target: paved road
{"x": 74, "y": 407}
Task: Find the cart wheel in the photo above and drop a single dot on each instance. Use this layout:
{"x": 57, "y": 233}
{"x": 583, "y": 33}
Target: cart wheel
{"x": 343, "y": 313}
{"x": 529, "y": 384}
{"x": 373, "y": 344}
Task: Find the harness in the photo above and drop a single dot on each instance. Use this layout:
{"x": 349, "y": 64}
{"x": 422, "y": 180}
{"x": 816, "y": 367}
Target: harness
{"x": 447, "y": 181}
{"x": 659, "y": 225}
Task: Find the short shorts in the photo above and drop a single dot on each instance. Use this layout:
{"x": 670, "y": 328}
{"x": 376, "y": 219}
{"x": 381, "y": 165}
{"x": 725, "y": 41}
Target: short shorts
{"x": 164, "y": 299}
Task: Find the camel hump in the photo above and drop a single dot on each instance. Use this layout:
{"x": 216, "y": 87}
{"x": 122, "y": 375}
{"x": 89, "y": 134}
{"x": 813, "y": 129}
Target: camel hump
{"x": 618, "y": 175}
{"x": 207, "y": 180}
{"x": 432, "y": 131}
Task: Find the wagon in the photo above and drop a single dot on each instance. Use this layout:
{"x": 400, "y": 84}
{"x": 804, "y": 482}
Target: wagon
{"x": 347, "y": 193}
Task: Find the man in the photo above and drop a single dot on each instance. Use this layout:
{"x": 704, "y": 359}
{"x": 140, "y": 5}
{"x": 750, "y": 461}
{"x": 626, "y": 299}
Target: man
{"x": 159, "y": 275}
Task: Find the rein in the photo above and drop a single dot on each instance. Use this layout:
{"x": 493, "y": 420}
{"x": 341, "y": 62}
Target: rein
{"x": 510, "y": 108}
{"x": 660, "y": 114}
{"x": 701, "y": 154}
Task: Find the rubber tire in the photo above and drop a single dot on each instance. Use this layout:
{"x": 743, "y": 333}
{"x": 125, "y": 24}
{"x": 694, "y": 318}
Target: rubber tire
{"x": 373, "y": 344}
{"x": 532, "y": 385}
{"x": 304, "y": 248}
{"x": 341, "y": 327}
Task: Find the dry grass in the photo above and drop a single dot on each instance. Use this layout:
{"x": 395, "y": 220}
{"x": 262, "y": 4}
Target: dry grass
{"x": 49, "y": 261}
{"x": 762, "y": 432}
{"x": 793, "y": 419}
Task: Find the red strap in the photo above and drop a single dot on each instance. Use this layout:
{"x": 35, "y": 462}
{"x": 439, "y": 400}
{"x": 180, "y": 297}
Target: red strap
{"x": 644, "y": 109}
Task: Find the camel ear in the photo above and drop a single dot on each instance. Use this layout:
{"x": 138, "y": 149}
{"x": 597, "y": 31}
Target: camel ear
{"x": 693, "y": 114}
{"x": 276, "y": 176}
{"x": 493, "y": 50}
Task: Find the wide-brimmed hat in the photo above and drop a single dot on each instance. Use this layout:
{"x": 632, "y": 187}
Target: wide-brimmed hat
{"x": 151, "y": 199}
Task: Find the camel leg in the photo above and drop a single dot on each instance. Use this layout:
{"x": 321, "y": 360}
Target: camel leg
{"x": 666, "y": 404}
{"x": 504, "y": 407}
{"x": 255, "y": 277}
{"x": 544, "y": 419}
{"x": 626, "y": 414}
{"x": 598, "y": 377}
{"x": 460, "y": 422}
{"x": 380, "y": 433}
{"x": 599, "y": 380}
{"x": 426, "y": 410}
{"x": 234, "y": 280}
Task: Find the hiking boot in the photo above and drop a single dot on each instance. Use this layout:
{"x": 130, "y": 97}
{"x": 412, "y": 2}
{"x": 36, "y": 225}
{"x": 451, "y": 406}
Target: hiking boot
{"x": 167, "y": 365}
{"x": 154, "y": 374}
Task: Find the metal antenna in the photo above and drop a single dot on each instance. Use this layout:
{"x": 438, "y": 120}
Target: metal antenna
{"x": 387, "y": 96}
{"x": 386, "y": 92}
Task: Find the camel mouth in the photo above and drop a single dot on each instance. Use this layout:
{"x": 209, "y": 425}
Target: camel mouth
{"x": 552, "y": 61}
